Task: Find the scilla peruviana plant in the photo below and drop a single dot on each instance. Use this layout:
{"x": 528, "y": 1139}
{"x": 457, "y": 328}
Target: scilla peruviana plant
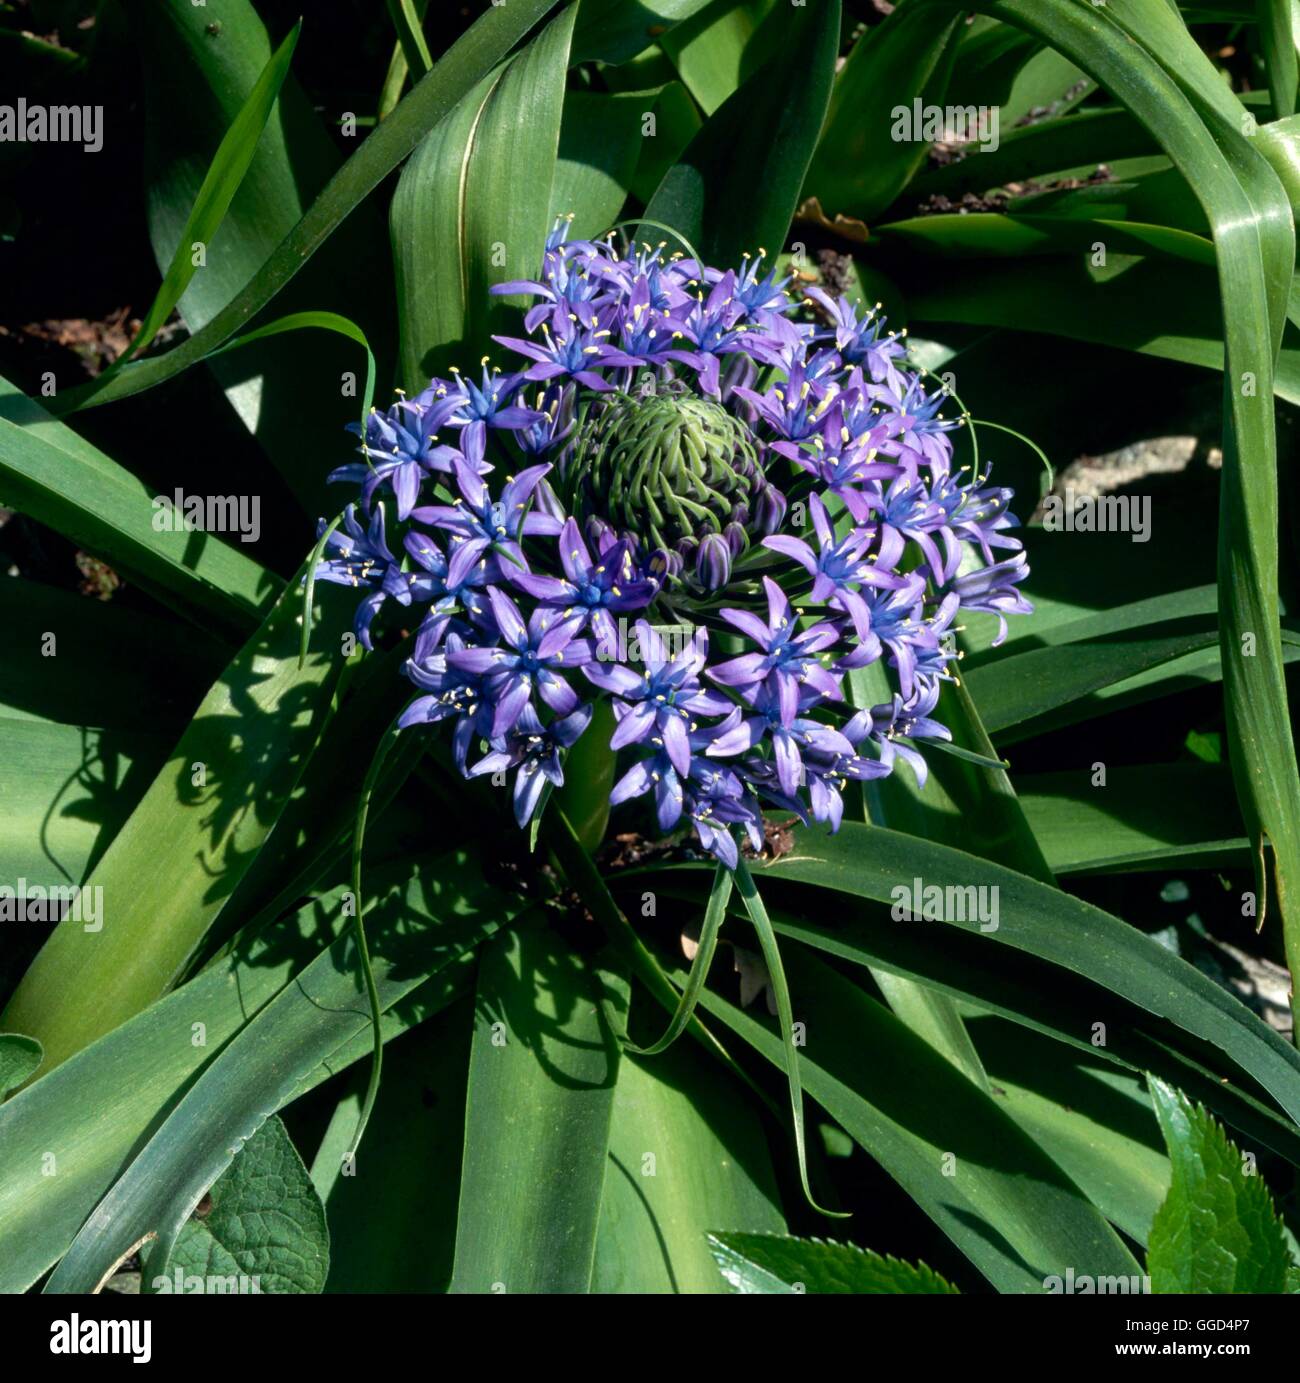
{"x": 703, "y": 500}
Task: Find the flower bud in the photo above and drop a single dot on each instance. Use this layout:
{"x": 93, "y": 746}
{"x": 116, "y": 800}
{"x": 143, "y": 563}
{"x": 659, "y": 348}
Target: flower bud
{"x": 713, "y": 563}
{"x": 769, "y": 510}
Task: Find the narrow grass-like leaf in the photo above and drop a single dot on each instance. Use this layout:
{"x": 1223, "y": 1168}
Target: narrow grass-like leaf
{"x": 1033, "y": 917}
{"x": 1008, "y": 1208}
{"x": 1279, "y": 33}
{"x": 700, "y": 966}
{"x": 997, "y": 235}
{"x": 582, "y": 873}
{"x": 92, "y": 1121}
{"x": 1028, "y": 685}
{"x": 212, "y": 77}
{"x": 386, "y": 746}
{"x": 410, "y": 35}
{"x": 322, "y": 321}
{"x": 1029, "y": 992}
{"x": 222, "y": 181}
{"x": 785, "y": 1016}
{"x": 1142, "y": 53}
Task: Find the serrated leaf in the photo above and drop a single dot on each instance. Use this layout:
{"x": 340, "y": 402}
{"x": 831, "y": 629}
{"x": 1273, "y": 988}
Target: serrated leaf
{"x": 265, "y": 1226}
{"x": 776, "y": 1264}
{"x": 1217, "y": 1230}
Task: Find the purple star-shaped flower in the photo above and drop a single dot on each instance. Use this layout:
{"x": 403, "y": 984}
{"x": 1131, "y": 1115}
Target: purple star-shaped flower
{"x": 360, "y": 557}
{"x": 592, "y": 591}
{"x": 841, "y": 565}
{"x": 660, "y": 775}
{"x": 477, "y": 522}
{"x": 477, "y": 407}
{"x": 790, "y": 739}
{"x": 788, "y": 658}
{"x": 401, "y": 447}
{"x": 570, "y": 348}
{"x": 529, "y": 659}
{"x": 534, "y": 749}
{"x": 661, "y": 703}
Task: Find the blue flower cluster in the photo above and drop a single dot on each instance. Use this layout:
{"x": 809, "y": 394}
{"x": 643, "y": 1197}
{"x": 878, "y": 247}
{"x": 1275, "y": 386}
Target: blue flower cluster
{"x": 701, "y": 496}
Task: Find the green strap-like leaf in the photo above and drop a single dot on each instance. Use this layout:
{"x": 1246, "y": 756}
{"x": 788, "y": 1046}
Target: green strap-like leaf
{"x": 472, "y": 209}
{"x": 686, "y": 1152}
{"x": 177, "y": 860}
{"x": 441, "y": 915}
{"x": 859, "y": 169}
{"x": 393, "y": 1220}
{"x": 737, "y": 184}
{"x": 1144, "y": 817}
{"x": 988, "y": 1186}
{"x": 57, "y": 478}
{"x": 785, "y": 1016}
{"x": 19, "y": 1058}
{"x": 1141, "y": 52}
{"x": 1279, "y": 33}
{"x": 464, "y": 64}
{"x": 543, "y": 1066}
{"x": 43, "y": 1126}
{"x": 884, "y": 865}
{"x": 224, "y": 176}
